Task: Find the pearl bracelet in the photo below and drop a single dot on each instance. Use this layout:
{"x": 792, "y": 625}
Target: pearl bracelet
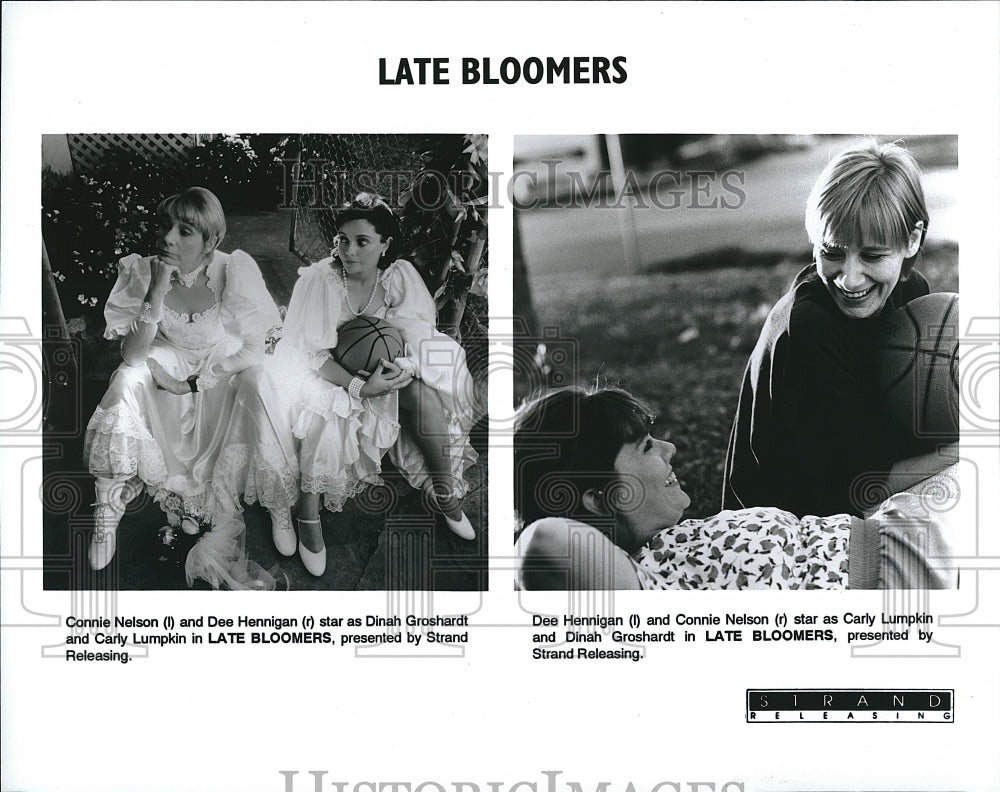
{"x": 355, "y": 387}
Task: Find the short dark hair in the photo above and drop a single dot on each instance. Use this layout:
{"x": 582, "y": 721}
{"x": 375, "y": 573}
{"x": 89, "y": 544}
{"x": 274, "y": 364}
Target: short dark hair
{"x": 370, "y": 207}
{"x": 566, "y": 442}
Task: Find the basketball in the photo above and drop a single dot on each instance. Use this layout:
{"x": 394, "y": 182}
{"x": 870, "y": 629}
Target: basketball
{"x": 918, "y": 374}
{"x": 364, "y": 341}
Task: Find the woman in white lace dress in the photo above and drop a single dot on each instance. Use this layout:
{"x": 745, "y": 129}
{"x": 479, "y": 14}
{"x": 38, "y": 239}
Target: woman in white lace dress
{"x": 311, "y": 430}
{"x": 189, "y": 318}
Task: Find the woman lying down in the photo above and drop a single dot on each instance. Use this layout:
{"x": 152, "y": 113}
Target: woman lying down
{"x": 602, "y": 507}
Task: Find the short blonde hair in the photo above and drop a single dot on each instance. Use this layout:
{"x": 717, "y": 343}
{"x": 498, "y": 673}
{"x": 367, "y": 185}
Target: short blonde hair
{"x": 869, "y": 194}
{"x": 198, "y": 207}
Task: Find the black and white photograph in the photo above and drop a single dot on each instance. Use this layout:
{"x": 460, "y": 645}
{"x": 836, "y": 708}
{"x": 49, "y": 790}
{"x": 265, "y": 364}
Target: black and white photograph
{"x": 492, "y": 397}
{"x": 273, "y": 361}
{"x": 756, "y": 332}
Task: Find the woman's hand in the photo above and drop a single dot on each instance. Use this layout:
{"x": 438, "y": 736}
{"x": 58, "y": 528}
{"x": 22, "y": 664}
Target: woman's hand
{"x": 163, "y": 267}
{"x": 166, "y": 382}
{"x": 387, "y": 379}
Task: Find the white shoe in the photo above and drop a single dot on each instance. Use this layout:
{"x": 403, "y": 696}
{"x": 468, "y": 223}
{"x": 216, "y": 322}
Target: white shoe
{"x": 190, "y": 525}
{"x": 104, "y": 540}
{"x": 313, "y": 560}
{"x": 282, "y": 533}
{"x": 461, "y": 527}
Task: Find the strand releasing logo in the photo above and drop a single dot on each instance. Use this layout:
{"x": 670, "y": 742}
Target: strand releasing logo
{"x": 850, "y": 706}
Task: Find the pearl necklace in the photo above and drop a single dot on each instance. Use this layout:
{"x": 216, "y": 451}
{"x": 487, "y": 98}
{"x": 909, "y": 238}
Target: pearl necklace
{"x": 187, "y": 281}
{"x": 347, "y": 294}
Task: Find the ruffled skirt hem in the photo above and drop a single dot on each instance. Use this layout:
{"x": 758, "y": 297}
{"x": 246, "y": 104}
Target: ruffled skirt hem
{"x": 119, "y": 446}
{"x": 342, "y": 441}
{"x": 257, "y": 474}
{"x": 337, "y": 491}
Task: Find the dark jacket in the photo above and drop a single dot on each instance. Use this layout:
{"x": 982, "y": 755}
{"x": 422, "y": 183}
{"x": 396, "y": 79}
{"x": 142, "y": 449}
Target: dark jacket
{"x": 807, "y": 437}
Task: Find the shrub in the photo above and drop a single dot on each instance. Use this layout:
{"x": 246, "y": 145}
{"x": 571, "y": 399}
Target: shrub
{"x": 90, "y": 222}
{"x": 444, "y": 224}
{"x": 229, "y": 167}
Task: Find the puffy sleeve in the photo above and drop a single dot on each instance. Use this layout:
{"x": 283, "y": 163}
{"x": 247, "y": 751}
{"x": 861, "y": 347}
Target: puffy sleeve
{"x": 411, "y": 305}
{"x": 436, "y": 358}
{"x": 248, "y": 312}
{"x": 310, "y": 329}
{"x": 247, "y": 305}
{"x": 125, "y": 302}
{"x": 411, "y": 311}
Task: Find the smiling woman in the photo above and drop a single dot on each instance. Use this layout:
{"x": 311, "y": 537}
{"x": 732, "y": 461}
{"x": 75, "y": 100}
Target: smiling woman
{"x": 861, "y": 278}
{"x": 604, "y": 507}
{"x": 866, "y": 218}
{"x": 808, "y": 436}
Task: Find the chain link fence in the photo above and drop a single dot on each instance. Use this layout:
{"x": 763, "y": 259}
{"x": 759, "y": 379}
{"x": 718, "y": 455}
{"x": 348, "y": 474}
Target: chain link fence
{"x": 329, "y": 170}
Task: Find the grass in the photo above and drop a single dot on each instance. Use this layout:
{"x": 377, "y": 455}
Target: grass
{"x": 680, "y": 337}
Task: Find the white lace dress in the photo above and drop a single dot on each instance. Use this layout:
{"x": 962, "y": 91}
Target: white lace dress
{"x": 293, "y": 429}
{"x": 171, "y": 442}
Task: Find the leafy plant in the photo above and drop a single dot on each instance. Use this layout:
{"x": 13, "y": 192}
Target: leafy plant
{"x": 228, "y": 166}
{"x": 444, "y": 223}
{"x": 90, "y": 222}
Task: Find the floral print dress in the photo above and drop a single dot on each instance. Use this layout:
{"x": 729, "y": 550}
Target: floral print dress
{"x": 760, "y": 548}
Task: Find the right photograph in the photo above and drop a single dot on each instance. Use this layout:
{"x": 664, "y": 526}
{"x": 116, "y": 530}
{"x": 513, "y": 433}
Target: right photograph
{"x": 737, "y": 361}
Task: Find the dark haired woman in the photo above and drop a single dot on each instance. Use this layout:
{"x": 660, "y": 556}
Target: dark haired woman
{"x": 189, "y": 318}
{"x": 603, "y": 505}
{"x": 328, "y": 428}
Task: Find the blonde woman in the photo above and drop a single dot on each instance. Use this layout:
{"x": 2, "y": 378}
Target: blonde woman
{"x": 189, "y": 318}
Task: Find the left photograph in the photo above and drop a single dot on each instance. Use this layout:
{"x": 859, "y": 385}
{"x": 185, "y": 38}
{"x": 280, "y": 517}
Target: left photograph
{"x": 266, "y": 361}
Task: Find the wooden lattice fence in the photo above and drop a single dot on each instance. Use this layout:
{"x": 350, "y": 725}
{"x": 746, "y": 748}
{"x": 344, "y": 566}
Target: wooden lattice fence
{"x": 87, "y": 150}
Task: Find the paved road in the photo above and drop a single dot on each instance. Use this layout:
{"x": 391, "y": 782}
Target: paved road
{"x": 587, "y": 243}
{"x": 264, "y": 235}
